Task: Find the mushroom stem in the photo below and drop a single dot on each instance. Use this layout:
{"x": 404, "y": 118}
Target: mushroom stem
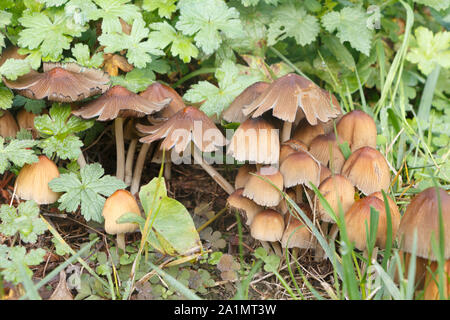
{"x": 120, "y": 148}
{"x": 121, "y": 241}
{"x": 167, "y": 170}
{"x": 139, "y": 167}
{"x": 129, "y": 161}
{"x": 286, "y": 132}
{"x": 277, "y": 248}
{"x": 81, "y": 160}
{"x": 320, "y": 253}
{"x": 221, "y": 181}
{"x": 267, "y": 247}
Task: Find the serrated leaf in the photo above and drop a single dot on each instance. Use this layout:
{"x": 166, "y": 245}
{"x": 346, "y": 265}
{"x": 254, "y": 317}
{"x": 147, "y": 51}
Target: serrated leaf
{"x": 209, "y": 21}
{"x": 87, "y": 191}
{"x": 435, "y": 4}
{"x": 14, "y": 68}
{"x": 83, "y": 57}
{"x": 165, "y": 7}
{"x": 17, "y": 152}
{"x": 111, "y": 10}
{"x": 12, "y": 258}
{"x": 291, "y": 20}
{"x": 6, "y": 97}
{"x": 351, "y": 26}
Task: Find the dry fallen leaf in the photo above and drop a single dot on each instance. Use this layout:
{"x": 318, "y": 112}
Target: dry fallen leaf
{"x": 61, "y": 292}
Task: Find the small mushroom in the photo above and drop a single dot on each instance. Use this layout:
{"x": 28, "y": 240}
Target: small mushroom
{"x": 237, "y": 201}
{"x": 368, "y": 170}
{"x": 32, "y": 181}
{"x": 291, "y": 146}
{"x": 159, "y": 92}
{"x": 8, "y": 125}
{"x": 268, "y": 225}
{"x": 297, "y": 235}
{"x": 305, "y": 132}
{"x": 289, "y": 93}
{"x": 261, "y": 191}
{"x": 325, "y": 148}
{"x": 358, "y": 129}
{"x": 118, "y": 103}
{"x": 119, "y": 203}
{"x": 243, "y": 175}
{"x": 61, "y": 82}
{"x": 337, "y": 190}
{"x": 234, "y": 112}
{"x": 422, "y": 216}
{"x": 255, "y": 140}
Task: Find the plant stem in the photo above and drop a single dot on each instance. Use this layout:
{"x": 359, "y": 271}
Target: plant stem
{"x": 193, "y": 74}
{"x": 139, "y": 167}
{"x": 129, "y": 161}
{"x": 221, "y": 181}
{"x": 120, "y": 148}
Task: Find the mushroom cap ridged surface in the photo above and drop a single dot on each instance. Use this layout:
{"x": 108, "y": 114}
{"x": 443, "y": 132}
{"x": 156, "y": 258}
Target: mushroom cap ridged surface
{"x": 336, "y": 189}
{"x": 267, "y": 225}
{"x": 255, "y": 140}
{"x": 291, "y": 92}
{"x": 238, "y": 201}
{"x": 358, "y": 129}
{"x": 117, "y": 204}
{"x": 283, "y": 206}
{"x": 290, "y": 146}
{"x": 8, "y": 125}
{"x": 234, "y": 112}
{"x": 188, "y": 124}
{"x": 119, "y": 102}
{"x": 158, "y": 92}
{"x": 300, "y": 168}
{"x": 368, "y": 170}
{"x": 25, "y": 119}
{"x": 61, "y": 82}
{"x": 432, "y": 279}
{"x": 422, "y": 214}
{"x": 262, "y": 192}
{"x": 359, "y": 214}
{"x": 305, "y": 132}
{"x": 325, "y": 148}
{"x": 243, "y": 175}
{"x": 32, "y": 181}
{"x": 297, "y": 235}
{"x": 393, "y": 208}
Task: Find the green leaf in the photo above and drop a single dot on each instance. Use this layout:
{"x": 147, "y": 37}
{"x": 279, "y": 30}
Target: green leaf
{"x": 14, "y": 68}
{"x": 148, "y": 196}
{"x": 53, "y": 3}
{"x": 435, "y": 4}
{"x": 24, "y": 220}
{"x": 111, "y": 10}
{"x": 6, "y": 97}
{"x": 57, "y": 129}
{"x": 165, "y": 7}
{"x": 339, "y": 51}
{"x": 83, "y": 57}
{"x": 165, "y": 34}
{"x": 210, "y": 21}
{"x": 51, "y": 36}
{"x": 430, "y": 49}
{"x": 291, "y": 20}
{"x": 139, "y": 52}
{"x": 351, "y": 26}
{"x": 12, "y": 258}
{"x": 81, "y": 11}
{"x": 5, "y": 19}
{"x": 17, "y": 152}
{"x": 231, "y": 83}
{"x": 87, "y": 191}
{"x": 31, "y": 105}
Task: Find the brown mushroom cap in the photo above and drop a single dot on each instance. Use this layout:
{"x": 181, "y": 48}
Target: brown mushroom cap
{"x": 432, "y": 280}
{"x": 234, "y": 112}
{"x": 290, "y": 146}
{"x": 255, "y": 140}
{"x": 61, "y": 82}
{"x": 336, "y": 189}
{"x": 32, "y": 181}
{"x": 243, "y": 175}
{"x": 118, "y": 102}
{"x": 359, "y": 214}
{"x": 368, "y": 170}
{"x": 119, "y": 203}
{"x": 262, "y": 192}
{"x": 325, "y": 148}
{"x": 358, "y": 129}
{"x": 8, "y": 125}
{"x": 238, "y": 201}
{"x": 267, "y": 225}
{"x": 297, "y": 235}
{"x": 422, "y": 214}
{"x": 324, "y": 173}
{"x": 300, "y": 168}
{"x": 11, "y": 52}
{"x": 305, "y": 132}
{"x": 188, "y": 124}
{"x": 283, "y": 205}
{"x": 290, "y": 92}
{"x": 158, "y": 92}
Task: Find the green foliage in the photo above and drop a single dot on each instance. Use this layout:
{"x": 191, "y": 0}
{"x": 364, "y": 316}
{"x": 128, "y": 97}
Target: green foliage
{"x": 165, "y": 7}
{"x": 5, "y": 19}
{"x": 15, "y": 258}
{"x": 34, "y": 106}
{"x": 86, "y": 190}
{"x": 111, "y": 10}
{"x": 17, "y": 152}
{"x": 82, "y": 56}
{"x": 6, "y": 97}
{"x": 24, "y": 220}
{"x": 57, "y": 130}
